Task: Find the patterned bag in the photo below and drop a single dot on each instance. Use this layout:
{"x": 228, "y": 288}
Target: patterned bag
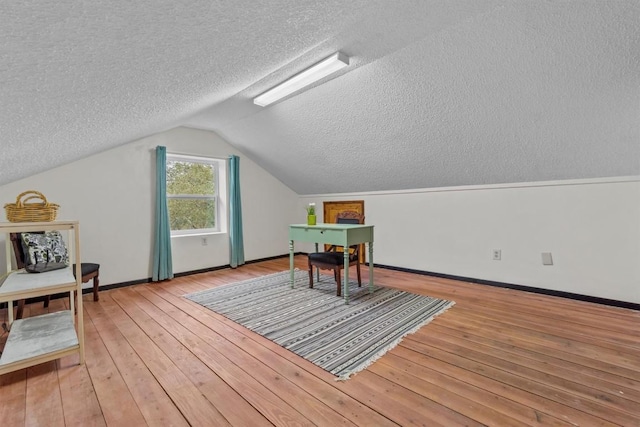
{"x": 44, "y": 252}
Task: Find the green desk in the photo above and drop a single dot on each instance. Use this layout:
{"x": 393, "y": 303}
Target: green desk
{"x": 334, "y": 234}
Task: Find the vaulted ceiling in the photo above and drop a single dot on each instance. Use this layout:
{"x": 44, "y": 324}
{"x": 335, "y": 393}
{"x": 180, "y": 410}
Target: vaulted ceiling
{"x": 437, "y": 93}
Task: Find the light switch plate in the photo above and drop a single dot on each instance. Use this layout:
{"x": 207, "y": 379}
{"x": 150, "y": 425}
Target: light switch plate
{"x": 547, "y": 259}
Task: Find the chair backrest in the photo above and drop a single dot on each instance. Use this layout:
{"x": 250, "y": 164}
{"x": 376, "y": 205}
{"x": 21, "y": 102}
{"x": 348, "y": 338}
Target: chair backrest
{"x": 16, "y": 241}
{"x": 349, "y": 217}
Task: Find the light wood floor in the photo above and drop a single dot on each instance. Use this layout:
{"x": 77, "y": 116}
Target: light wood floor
{"x": 499, "y": 357}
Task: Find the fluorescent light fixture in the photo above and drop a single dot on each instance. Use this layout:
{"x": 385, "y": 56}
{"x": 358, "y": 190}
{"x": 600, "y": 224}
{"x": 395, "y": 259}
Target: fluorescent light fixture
{"x": 311, "y": 75}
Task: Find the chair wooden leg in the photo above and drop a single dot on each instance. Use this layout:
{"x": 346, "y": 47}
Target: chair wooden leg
{"x": 338, "y": 282}
{"x": 47, "y": 298}
{"x": 310, "y": 275}
{"x": 20, "y": 310}
{"x": 358, "y": 271}
{"x": 96, "y": 283}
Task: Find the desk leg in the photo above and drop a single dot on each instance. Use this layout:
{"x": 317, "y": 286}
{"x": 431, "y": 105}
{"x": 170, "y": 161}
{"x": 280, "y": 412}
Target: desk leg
{"x": 345, "y": 287}
{"x": 370, "y": 244}
{"x": 317, "y": 269}
{"x": 291, "y": 262}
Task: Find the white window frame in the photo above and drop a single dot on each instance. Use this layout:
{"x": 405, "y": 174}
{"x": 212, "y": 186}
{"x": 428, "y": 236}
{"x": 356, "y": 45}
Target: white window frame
{"x": 220, "y": 196}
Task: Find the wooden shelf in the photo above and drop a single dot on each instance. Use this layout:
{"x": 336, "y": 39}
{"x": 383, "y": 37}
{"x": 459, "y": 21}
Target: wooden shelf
{"x": 23, "y": 227}
{"x": 39, "y": 339}
{"x": 50, "y": 336}
{"x": 20, "y": 284}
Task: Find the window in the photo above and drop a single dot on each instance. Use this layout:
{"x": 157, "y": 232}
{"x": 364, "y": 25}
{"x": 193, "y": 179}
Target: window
{"x": 196, "y": 192}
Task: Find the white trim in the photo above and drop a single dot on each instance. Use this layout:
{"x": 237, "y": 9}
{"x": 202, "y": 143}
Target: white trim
{"x": 194, "y": 232}
{"x": 192, "y": 196}
{"x": 586, "y": 181}
{"x": 195, "y": 158}
{"x": 201, "y": 232}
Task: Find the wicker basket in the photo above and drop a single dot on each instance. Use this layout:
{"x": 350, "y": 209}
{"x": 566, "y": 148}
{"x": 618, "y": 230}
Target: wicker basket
{"x": 20, "y": 211}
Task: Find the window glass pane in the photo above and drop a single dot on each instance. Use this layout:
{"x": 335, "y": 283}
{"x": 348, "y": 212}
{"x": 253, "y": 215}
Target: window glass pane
{"x": 190, "y": 178}
{"x": 190, "y": 214}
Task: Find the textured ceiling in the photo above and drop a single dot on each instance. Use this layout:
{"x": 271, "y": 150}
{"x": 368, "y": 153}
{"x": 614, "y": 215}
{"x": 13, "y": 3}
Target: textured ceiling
{"x": 438, "y": 93}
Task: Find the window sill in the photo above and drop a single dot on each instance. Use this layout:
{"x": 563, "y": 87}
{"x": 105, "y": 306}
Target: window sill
{"x": 209, "y": 233}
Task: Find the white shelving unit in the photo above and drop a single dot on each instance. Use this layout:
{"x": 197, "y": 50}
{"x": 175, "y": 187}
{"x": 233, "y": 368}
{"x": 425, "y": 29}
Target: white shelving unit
{"x": 50, "y": 336}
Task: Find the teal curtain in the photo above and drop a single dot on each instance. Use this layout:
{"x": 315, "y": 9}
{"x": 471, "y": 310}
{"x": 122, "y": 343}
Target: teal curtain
{"x": 236, "y": 240}
{"x": 162, "y": 264}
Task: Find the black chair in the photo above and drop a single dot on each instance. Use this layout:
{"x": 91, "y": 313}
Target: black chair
{"x": 332, "y": 259}
{"x": 88, "y": 270}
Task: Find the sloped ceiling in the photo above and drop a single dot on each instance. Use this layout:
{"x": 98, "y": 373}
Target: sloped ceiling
{"x": 438, "y": 93}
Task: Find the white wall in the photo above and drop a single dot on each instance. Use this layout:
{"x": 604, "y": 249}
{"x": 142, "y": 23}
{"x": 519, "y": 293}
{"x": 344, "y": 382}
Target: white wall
{"x": 111, "y": 194}
{"x": 592, "y": 228}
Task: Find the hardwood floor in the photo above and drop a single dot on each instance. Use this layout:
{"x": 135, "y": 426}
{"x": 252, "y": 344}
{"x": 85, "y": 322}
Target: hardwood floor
{"x": 499, "y": 357}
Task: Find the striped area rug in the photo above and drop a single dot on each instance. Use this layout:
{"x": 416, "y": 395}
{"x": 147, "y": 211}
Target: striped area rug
{"x": 316, "y": 324}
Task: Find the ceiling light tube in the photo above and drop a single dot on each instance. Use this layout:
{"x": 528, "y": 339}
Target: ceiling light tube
{"x": 311, "y": 75}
